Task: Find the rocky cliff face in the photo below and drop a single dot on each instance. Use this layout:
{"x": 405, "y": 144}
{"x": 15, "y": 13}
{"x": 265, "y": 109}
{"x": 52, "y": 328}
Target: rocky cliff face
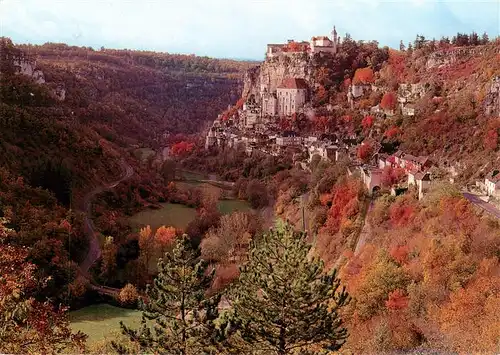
{"x": 272, "y": 71}
{"x": 27, "y": 67}
{"x": 492, "y": 99}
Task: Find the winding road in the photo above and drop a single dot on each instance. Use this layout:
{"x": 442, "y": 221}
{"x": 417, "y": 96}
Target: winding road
{"x": 488, "y": 207}
{"x": 94, "y": 252}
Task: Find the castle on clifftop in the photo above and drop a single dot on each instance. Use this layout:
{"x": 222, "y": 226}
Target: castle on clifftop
{"x": 316, "y": 45}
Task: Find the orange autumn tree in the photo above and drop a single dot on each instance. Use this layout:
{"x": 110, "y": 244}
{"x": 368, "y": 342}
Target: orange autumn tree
{"x": 182, "y": 148}
{"x": 165, "y": 236}
{"x": 365, "y": 152}
{"x": 392, "y": 132}
{"x": 363, "y": 76}
{"x": 367, "y": 122}
{"x": 491, "y": 140}
{"x": 146, "y": 245}
{"x": 389, "y": 101}
{"x": 470, "y": 317}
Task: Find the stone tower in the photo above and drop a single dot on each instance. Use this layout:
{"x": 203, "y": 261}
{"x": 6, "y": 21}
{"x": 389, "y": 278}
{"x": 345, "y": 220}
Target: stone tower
{"x": 334, "y": 39}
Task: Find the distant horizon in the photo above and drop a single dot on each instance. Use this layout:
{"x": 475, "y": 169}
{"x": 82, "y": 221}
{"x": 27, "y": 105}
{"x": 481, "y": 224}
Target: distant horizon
{"x": 240, "y": 31}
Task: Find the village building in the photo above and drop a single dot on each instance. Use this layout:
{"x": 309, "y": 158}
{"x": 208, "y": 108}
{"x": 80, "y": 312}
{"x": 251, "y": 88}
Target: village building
{"x": 385, "y": 160}
{"x": 492, "y": 183}
{"x": 371, "y": 177}
{"x": 408, "y": 110}
{"x": 269, "y": 103}
{"x": 327, "y": 152}
{"x": 318, "y": 44}
{"x": 421, "y": 180}
{"x": 251, "y": 114}
{"x": 324, "y": 44}
{"x": 292, "y": 94}
{"x": 287, "y": 139}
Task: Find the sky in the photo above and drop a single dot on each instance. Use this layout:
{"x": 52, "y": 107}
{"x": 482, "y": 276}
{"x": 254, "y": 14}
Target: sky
{"x": 237, "y": 28}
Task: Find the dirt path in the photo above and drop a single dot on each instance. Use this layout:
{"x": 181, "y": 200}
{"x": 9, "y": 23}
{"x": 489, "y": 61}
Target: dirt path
{"x": 94, "y": 252}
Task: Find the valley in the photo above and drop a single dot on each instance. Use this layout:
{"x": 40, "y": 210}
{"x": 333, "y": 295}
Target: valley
{"x": 349, "y": 190}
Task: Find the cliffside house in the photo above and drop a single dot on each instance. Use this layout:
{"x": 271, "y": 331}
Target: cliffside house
{"x": 408, "y": 110}
{"x": 421, "y": 180}
{"x": 292, "y": 94}
{"x": 287, "y": 139}
{"x": 269, "y": 103}
{"x": 251, "y": 113}
{"x": 492, "y": 183}
{"x": 327, "y": 152}
{"x": 371, "y": 177}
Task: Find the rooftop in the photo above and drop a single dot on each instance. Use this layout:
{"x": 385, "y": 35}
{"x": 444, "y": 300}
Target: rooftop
{"x": 293, "y": 83}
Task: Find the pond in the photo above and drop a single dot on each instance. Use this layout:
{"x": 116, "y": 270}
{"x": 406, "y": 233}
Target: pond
{"x": 102, "y": 320}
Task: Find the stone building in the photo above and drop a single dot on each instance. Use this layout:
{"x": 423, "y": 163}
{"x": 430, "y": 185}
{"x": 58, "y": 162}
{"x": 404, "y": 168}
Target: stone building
{"x": 324, "y": 44}
{"x": 269, "y": 103}
{"x": 251, "y": 114}
{"x": 291, "y": 96}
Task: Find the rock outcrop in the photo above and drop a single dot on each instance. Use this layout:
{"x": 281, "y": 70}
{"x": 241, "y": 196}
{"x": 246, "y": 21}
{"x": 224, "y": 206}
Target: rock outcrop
{"x": 271, "y": 73}
{"x": 27, "y": 67}
{"x": 492, "y": 99}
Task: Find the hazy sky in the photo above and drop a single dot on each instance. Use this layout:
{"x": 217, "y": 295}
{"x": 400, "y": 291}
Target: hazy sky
{"x": 236, "y": 28}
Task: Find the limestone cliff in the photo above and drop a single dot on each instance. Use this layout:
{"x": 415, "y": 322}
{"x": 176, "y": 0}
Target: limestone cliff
{"x": 492, "y": 99}
{"x": 272, "y": 71}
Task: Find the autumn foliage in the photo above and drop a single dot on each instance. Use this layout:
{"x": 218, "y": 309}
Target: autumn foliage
{"x": 182, "y": 148}
{"x": 391, "y": 176}
{"x": 389, "y": 101}
{"x": 491, "y": 140}
{"x": 363, "y": 76}
{"x": 392, "y": 132}
{"x": 365, "y": 152}
{"x": 367, "y": 122}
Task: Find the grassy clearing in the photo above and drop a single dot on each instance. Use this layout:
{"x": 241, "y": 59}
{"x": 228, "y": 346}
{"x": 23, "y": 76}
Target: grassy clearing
{"x": 190, "y": 175}
{"x": 170, "y": 214}
{"x": 102, "y": 320}
{"x": 144, "y": 153}
{"x": 230, "y": 206}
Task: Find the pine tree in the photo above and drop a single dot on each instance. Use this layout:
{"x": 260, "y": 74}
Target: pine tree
{"x": 284, "y": 302}
{"x": 402, "y": 46}
{"x": 177, "y": 316}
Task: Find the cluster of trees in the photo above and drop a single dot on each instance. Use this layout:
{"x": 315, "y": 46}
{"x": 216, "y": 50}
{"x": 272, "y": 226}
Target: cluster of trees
{"x": 330, "y": 73}
{"x": 282, "y": 302}
{"x": 459, "y": 40}
{"x": 437, "y": 259}
{"x": 30, "y": 323}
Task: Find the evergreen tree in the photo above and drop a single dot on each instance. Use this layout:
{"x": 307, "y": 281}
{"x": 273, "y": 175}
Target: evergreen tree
{"x": 484, "y": 38}
{"x": 284, "y": 302}
{"x": 177, "y": 316}
{"x": 401, "y": 46}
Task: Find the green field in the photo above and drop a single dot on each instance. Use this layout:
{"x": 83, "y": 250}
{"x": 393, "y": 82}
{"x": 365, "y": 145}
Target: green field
{"x": 102, "y": 320}
{"x": 171, "y": 214}
{"x": 190, "y": 175}
{"x": 230, "y": 206}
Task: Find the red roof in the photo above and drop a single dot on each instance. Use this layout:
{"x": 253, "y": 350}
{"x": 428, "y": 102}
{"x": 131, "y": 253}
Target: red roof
{"x": 293, "y": 83}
